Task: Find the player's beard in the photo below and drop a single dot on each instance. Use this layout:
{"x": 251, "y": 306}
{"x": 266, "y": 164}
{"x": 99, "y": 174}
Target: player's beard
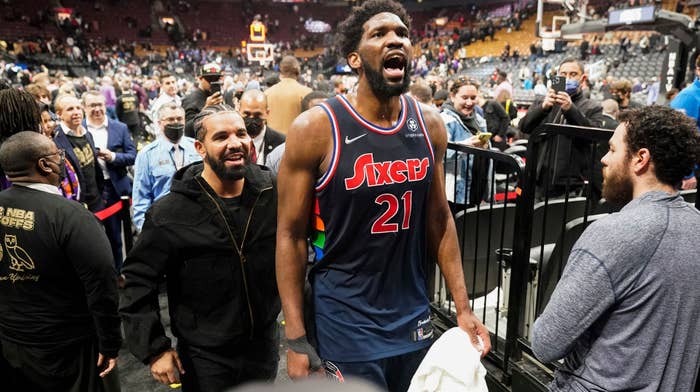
{"x": 225, "y": 173}
{"x": 380, "y": 86}
{"x": 617, "y": 187}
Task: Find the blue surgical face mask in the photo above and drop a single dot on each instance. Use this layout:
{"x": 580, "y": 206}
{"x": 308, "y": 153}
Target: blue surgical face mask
{"x": 572, "y": 86}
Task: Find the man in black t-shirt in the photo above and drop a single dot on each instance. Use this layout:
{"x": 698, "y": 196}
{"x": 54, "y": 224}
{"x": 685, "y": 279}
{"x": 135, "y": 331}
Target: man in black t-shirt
{"x": 128, "y": 107}
{"x": 59, "y": 326}
{"x": 80, "y": 150}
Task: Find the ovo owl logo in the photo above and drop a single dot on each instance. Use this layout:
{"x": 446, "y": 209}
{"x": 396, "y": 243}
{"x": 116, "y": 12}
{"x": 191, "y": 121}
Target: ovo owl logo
{"x": 19, "y": 258}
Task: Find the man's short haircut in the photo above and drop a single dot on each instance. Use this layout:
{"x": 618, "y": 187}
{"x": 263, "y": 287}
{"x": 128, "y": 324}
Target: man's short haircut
{"x": 169, "y": 106}
{"x": 671, "y": 137}
{"x": 21, "y": 151}
{"x": 289, "y": 67}
{"x": 440, "y": 95}
{"x": 576, "y": 61}
{"x": 164, "y": 75}
{"x": 503, "y": 75}
{"x": 255, "y": 95}
{"x": 623, "y": 85}
{"x": 422, "y": 92}
{"x": 18, "y": 112}
{"x": 315, "y": 94}
{"x": 91, "y": 93}
{"x": 199, "y": 130}
{"x": 350, "y": 30}
{"x": 610, "y": 106}
{"x": 58, "y": 103}
{"x": 37, "y": 90}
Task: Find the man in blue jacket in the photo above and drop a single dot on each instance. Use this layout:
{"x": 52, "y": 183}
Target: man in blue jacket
{"x": 115, "y": 152}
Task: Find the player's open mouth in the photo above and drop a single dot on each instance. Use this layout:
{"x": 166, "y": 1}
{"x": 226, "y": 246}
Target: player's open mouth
{"x": 394, "y": 66}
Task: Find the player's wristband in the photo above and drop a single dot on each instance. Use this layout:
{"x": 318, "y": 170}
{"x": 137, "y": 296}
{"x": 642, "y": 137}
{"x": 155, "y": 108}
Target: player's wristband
{"x": 301, "y": 345}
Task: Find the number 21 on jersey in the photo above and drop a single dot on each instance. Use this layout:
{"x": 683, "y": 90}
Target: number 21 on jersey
{"x": 386, "y": 222}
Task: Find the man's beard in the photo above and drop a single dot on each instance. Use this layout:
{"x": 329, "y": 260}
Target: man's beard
{"x": 225, "y": 173}
{"x": 380, "y": 86}
{"x": 617, "y": 188}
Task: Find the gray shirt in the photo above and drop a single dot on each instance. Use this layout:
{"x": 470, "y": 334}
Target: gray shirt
{"x": 626, "y": 313}
{"x": 274, "y": 158}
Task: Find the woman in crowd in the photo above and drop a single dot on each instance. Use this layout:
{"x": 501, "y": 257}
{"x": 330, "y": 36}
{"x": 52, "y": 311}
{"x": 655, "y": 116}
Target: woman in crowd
{"x": 463, "y": 124}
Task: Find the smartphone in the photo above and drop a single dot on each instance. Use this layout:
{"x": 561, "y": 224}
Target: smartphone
{"x": 484, "y": 136}
{"x": 558, "y": 83}
{"x": 215, "y": 87}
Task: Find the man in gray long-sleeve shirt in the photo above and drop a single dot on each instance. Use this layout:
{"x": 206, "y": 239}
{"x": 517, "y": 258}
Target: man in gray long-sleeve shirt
{"x": 626, "y": 313}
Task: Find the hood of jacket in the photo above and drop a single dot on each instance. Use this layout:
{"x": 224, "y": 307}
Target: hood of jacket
{"x": 186, "y": 181}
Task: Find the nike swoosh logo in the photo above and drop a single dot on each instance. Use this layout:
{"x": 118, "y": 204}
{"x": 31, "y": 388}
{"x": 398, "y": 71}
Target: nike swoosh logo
{"x": 348, "y": 140}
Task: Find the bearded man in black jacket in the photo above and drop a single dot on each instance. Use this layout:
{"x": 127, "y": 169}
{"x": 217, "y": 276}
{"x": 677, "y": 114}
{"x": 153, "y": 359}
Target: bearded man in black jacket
{"x": 59, "y": 325}
{"x": 570, "y": 164}
{"x": 213, "y": 236}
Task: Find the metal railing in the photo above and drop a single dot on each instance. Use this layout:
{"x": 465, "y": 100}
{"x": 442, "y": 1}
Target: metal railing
{"x": 486, "y": 230}
{"x": 516, "y": 231}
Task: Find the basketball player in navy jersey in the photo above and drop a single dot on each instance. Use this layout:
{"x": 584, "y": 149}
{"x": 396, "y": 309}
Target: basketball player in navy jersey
{"x": 363, "y": 173}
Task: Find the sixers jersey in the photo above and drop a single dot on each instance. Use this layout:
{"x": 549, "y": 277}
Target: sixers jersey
{"x": 370, "y": 236}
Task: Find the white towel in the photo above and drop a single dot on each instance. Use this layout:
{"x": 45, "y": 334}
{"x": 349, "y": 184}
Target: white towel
{"x": 452, "y": 364}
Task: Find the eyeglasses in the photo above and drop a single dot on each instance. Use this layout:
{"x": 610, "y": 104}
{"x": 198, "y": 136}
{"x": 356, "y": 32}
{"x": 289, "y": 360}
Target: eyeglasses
{"x": 61, "y": 154}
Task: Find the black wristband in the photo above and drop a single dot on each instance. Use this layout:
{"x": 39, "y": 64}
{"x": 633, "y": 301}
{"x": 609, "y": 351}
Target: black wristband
{"x": 301, "y": 345}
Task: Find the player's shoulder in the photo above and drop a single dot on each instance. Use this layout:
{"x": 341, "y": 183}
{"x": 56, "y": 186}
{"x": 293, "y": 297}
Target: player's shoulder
{"x": 429, "y": 113}
{"x": 313, "y": 122}
{"x": 434, "y": 122}
{"x": 310, "y": 136}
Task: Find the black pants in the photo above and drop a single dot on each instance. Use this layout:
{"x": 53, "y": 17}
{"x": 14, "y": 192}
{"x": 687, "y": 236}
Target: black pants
{"x": 65, "y": 369}
{"x": 217, "y": 370}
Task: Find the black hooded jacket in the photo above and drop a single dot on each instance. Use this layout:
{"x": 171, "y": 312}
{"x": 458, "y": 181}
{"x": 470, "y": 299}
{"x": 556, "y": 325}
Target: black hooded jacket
{"x": 216, "y": 297}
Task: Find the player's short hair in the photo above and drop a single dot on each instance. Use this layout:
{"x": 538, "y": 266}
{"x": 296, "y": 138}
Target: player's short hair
{"x": 350, "y": 30}
{"x": 670, "y": 136}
